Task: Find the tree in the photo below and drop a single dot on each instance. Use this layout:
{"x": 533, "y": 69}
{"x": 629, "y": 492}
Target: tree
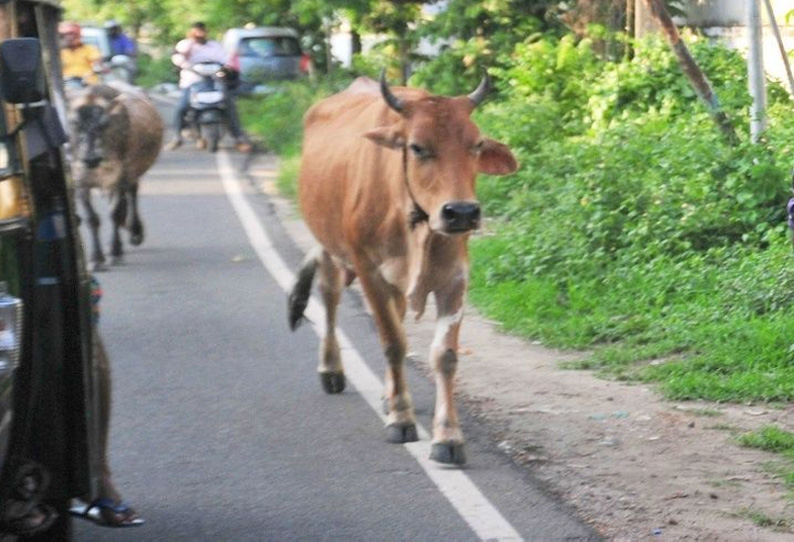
{"x": 692, "y": 70}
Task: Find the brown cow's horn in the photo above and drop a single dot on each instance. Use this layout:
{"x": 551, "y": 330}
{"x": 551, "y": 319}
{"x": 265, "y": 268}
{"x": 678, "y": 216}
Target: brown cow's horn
{"x": 393, "y": 101}
{"x": 481, "y": 91}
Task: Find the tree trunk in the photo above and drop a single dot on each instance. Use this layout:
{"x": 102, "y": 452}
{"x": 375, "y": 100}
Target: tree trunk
{"x": 630, "y": 33}
{"x": 693, "y": 72}
{"x": 780, "y": 45}
{"x": 355, "y": 42}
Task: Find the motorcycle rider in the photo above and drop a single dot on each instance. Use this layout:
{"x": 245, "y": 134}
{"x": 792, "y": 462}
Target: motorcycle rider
{"x": 120, "y": 43}
{"x": 122, "y": 47}
{"x": 192, "y": 50}
{"x": 78, "y": 60}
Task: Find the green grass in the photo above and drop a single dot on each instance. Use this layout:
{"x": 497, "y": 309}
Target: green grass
{"x": 767, "y": 522}
{"x": 773, "y": 439}
{"x": 770, "y": 438}
{"x": 702, "y": 338}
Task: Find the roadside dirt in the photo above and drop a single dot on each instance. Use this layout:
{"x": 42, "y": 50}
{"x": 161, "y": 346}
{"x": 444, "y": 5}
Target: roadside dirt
{"x": 635, "y": 466}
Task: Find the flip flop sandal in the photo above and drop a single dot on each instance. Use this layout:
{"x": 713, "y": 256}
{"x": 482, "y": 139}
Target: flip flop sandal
{"x": 100, "y": 510}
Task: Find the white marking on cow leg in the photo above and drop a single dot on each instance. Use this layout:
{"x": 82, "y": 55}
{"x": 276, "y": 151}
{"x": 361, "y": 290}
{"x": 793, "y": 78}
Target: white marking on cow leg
{"x": 444, "y": 359}
{"x": 475, "y": 509}
{"x": 97, "y": 256}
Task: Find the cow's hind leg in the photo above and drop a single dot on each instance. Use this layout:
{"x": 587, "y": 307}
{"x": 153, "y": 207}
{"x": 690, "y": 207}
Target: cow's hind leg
{"x": 388, "y": 307}
{"x": 135, "y": 222}
{"x": 447, "y": 444}
{"x": 332, "y": 374}
{"x": 97, "y": 256}
{"x": 119, "y": 218}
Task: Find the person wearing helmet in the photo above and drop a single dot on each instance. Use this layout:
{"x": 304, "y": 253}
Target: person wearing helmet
{"x": 120, "y": 43}
{"x": 78, "y": 60}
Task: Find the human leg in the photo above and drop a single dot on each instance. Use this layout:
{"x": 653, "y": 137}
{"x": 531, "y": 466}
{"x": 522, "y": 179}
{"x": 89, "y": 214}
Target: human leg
{"x": 179, "y": 119}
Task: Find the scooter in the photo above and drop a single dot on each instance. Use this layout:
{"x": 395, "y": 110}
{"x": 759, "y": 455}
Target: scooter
{"x": 206, "y": 115}
{"x": 120, "y": 68}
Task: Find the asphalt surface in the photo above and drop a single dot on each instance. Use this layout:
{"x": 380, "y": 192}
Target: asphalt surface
{"x": 220, "y": 429}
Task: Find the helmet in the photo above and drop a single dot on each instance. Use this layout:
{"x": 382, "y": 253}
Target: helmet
{"x": 67, "y": 28}
{"x": 112, "y": 23}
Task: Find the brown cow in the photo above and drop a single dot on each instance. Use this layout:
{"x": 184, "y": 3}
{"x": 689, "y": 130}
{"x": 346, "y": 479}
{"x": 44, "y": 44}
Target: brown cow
{"x": 116, "y": 137}
{"x": 387, "y": 188}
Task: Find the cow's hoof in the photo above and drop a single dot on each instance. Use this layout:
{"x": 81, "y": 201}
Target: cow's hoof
{"x": 450, "y": 453}
{"x": 117, "y": 260}
{"x": 400, "y": 434}
{"x": 333, "y": 382}
{"x": 136, "y": 237}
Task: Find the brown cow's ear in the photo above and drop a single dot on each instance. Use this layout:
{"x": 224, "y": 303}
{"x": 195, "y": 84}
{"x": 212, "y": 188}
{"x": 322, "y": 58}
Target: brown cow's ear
{"x": 496, "y": 158}
{"x": 388, "y": 136}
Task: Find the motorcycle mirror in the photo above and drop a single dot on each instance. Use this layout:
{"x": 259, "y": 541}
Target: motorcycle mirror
{"x": 21, "y": 73}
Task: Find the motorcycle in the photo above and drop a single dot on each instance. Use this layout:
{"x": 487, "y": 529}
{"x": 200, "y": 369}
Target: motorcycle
{"x": 120, "y": 68}
{"x": 207, "y": 114}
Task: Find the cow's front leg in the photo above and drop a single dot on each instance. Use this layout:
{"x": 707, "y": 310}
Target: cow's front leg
{"x": 447, "y": 437}
{"x": 119, "y": 218}
{"x": 388, "y": 307}
{"x": 97, "y": 256}
{"x": 332, "y": 374}
{"x": 135, "y": 223}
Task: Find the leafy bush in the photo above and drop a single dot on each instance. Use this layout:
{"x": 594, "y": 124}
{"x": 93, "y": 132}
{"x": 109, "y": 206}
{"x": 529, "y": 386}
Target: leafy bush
{"x": 278, "y": 117}
{"x": 152, "y": 71}
{"x": 633, "y": 228}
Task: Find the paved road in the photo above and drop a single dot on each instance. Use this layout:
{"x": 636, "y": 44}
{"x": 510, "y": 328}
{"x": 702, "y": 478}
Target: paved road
{"x": 220, "y": 429}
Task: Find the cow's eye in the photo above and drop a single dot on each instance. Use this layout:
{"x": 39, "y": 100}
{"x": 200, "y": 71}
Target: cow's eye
{"x": 419, "y": 151}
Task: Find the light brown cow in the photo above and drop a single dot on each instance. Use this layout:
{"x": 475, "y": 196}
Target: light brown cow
{"x": 387, "y": 188}
{"x": 116, "y": 137}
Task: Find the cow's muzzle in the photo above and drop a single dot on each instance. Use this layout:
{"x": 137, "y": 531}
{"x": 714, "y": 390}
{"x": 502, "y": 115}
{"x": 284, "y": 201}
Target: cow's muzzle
{"x": 460, "y": 216}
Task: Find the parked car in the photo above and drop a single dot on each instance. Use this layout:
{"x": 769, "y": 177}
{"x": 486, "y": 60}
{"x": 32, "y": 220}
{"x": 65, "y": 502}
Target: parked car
{"x": 49, "y": 432}
{"x": 264, "y": 55}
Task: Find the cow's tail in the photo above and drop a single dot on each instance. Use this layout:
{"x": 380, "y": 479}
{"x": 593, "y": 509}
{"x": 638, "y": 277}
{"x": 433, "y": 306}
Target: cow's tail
{"x": 298, "y": 298}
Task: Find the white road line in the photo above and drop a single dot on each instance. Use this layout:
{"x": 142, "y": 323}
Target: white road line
{"x": 454, "y": 484}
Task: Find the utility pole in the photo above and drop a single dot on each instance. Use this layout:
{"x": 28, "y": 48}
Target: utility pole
{"x": 755, "y": 71}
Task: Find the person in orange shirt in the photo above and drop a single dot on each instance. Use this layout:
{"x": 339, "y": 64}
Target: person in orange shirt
{"x": 78, "y": 60}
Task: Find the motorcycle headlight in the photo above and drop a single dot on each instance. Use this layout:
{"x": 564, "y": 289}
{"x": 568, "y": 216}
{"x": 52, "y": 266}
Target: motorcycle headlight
{"x": 10, "y": 329}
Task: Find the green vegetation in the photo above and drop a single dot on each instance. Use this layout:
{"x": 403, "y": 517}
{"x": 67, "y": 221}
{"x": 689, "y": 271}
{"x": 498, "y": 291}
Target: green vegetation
{"x": 770, "y": 438}
{"x": 633, "y": 230}
{"x": 763, "y": 520}
{"x": 773, "y": 439}
{"x": 155, "y": 71}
